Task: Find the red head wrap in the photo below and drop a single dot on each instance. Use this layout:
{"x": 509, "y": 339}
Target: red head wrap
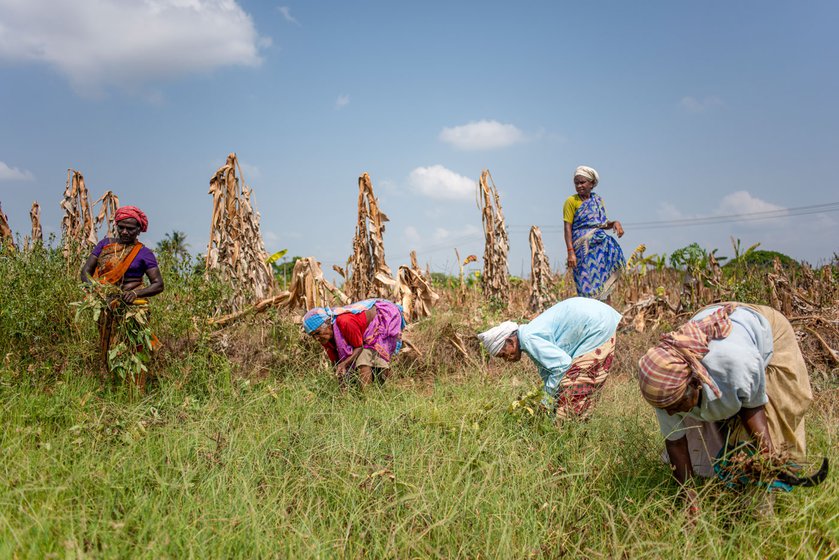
{"x": 132, "y": 212}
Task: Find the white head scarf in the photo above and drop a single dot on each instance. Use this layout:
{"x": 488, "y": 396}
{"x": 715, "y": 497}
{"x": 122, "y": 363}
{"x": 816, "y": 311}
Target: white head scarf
{"x": 589, "y": 173}
{"x": 493, "y": 339}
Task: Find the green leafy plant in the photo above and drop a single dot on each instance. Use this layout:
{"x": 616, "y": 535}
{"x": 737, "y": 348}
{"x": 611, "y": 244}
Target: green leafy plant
{"x": 131, "y": 344}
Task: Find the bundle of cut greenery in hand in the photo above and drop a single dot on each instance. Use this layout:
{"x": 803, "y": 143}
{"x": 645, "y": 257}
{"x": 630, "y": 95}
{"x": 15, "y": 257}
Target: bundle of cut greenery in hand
{"x": 529, "y": 404}
{"x": 130, "y": 338}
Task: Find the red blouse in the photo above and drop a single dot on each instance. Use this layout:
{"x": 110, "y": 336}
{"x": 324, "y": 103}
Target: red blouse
{"x": 352, "y": 326}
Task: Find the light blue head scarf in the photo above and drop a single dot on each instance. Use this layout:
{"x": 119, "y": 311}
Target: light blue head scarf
{"x": 315, "y": 317}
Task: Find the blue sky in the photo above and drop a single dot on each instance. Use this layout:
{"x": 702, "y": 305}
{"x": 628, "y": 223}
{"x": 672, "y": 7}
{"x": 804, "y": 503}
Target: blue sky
{"x": 687, "y": 109}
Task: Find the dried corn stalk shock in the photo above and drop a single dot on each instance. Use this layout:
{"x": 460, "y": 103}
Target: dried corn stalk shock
{"x": 236, "y": 249}
{"x": 368, "y": 273}
{"x": 415, "y": 291}
{"x": 37, "y": 236}
{"x": 541, "y": 278}
{"x": 307, "y": 289}
{"x": 77, "y": 226}
{"x": 110, "y": 204}
{"x": 495, "y": 278}
{"x": 7, "y": 239}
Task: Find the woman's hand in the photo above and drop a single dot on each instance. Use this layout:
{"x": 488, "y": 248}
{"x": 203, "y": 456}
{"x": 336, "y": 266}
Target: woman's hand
{"x": 129, "y": 296}
{"x": 341, "y": 368}
{"x": 618, "y": 228}
{"x": 572, "y": 259}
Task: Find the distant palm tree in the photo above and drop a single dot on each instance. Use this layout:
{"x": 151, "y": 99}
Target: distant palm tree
{"x": 175, "y": 244}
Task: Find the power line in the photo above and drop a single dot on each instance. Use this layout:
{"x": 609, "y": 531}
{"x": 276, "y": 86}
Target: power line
{"x": 451, "y": 244}
{"x": 715, "y": 220}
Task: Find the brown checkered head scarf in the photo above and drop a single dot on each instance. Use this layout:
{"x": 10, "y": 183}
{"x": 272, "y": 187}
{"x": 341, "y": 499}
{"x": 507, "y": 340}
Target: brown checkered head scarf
{"x": 667, "y": 369}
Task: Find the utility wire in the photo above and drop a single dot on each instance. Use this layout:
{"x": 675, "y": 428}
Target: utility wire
{"x": 451, "y": 244}
{"x": 714, "y": 220}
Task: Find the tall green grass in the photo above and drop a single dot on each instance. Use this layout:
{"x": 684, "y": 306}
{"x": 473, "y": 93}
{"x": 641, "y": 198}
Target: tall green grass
{"x": 230, "y": 456}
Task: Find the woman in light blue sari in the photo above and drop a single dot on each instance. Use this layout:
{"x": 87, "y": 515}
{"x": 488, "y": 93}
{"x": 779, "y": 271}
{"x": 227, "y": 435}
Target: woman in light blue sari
{"x": 595, "y": 257}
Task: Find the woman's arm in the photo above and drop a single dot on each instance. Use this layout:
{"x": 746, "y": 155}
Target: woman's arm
{"x": 88, "y": 268}
{"x": 569, "y": 244}
{"x": 345, "y": 364}
{"x": 683, "y": 471}
{"x": 155, "y": 287}
{"x": 754, "y": 419}
{"x": 615, "y": 225}
{"x": 679, "y": 455}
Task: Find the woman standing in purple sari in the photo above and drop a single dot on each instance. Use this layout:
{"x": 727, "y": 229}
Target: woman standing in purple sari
{"x": 595, "y": 257}
{"x": 359, "y": 338}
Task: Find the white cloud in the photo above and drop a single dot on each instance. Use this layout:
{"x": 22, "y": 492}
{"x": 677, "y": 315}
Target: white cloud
{"x": 97, "y": 44}
{"x": 441, "y": 183}
{"x": 14, "y": 174}
{"x": 286, "y": 11}
{"x": 741, "y": 202}
{"x": 482, "y": 135}
{"x": 342, "y": 101}
{"x": 736, "y": 203}
{"x": 695, "y": 105}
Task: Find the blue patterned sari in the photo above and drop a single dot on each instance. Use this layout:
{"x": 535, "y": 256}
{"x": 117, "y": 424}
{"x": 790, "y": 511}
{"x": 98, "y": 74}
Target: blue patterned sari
{"x": 599, "y": 257}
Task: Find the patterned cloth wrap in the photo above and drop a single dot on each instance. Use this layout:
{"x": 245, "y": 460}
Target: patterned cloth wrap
{"x": 383, "y": 334}
{"x": 667, "y": 369}
{"x": 599, "y": 256}
{"x": 580, "y": 385}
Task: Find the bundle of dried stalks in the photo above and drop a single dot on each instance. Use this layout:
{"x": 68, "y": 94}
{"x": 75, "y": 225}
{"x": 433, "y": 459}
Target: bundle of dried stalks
{"x": 110, "y": 204}
{"x": 495, "y": 277}
{"x": 307, "y": 289}
{"x": 541, "y": 278}
{"x": 415, "y": 291}
{"x": 7, "y": 239}
{"x": 37, "y": 236}
{"x": 464, "y": 262}
{"x": 368, "y": 273}
{"x": 236, "y": 249}
{"x": 77, "y": 226}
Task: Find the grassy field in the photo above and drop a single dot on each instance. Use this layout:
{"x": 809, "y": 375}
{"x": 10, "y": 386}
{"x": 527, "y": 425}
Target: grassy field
{"x": 245, "y": 448}
{"x": 296, "y": 469}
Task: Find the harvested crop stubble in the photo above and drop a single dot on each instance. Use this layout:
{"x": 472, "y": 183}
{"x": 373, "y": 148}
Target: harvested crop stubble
{"x": 308, "y": 289}
{"x": 110, "y": 204}
{"x": 37, "y": 235}
{"x": 541, "y": 278}
{"x": 416, "y": 294}
{"x": 368, "y": 275}
{"x": 236, "y": 249}
{"x": 6, "y": 237}
{"x": 77, "y": 225}
{"x": 495, "y": 278}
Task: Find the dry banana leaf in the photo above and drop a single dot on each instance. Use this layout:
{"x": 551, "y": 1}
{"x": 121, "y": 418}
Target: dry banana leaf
{"x": 541, "y": 278}
{"x": 368, "y": 274}
{"x": 236, "y": 249}
{"x": 495, "y": 277}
